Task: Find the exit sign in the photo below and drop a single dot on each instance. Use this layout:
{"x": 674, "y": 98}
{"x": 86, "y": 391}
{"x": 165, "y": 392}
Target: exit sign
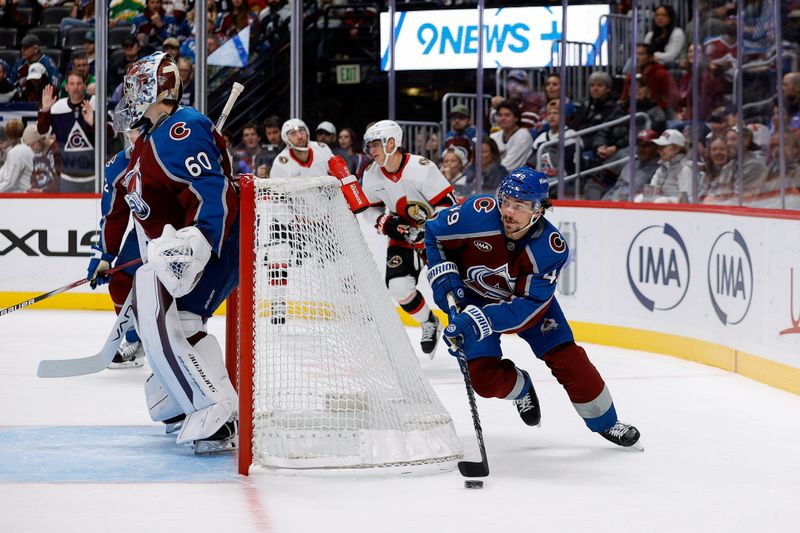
{"x": 348, "y": 74}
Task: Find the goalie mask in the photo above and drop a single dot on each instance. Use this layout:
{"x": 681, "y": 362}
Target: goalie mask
{"x": 148, "y": 81}
{"x": 382, "y": 131}
{"x": 294, "y": 124}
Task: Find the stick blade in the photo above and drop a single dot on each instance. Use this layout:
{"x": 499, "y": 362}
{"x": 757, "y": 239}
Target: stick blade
{"x": 471, "y": 469}
{"x": 67, "y": 368}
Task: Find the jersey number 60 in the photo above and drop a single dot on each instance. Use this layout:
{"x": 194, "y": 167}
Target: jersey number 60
{"x": 194, "y": 168}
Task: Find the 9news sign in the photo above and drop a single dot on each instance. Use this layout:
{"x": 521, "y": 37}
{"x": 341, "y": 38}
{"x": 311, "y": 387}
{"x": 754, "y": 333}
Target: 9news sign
{"x": 512, "y": 37}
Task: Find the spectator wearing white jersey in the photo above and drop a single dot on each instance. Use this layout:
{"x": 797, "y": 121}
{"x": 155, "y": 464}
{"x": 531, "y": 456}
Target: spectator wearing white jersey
{"x": 515, "y": 143}
{"x": 15, "y": 175}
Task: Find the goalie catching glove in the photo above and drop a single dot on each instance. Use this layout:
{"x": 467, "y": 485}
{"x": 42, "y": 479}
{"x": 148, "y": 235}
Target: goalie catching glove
{"x": 467, "y": 328}
{"x": 99, "y": 263}
{"x": 179, "y": 258}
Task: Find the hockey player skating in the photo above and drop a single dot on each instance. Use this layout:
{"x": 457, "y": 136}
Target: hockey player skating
{"x": 500, "y": 259}
{"x": 301, "y": 157}
{"x": 178, "y": 187}
{"x": 131, "y": 351}
{"x": 404, "y": 190}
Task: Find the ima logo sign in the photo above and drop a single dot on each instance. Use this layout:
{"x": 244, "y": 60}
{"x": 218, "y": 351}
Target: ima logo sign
{"x": 730, "y": 277}
{"x": 658, "y": 267}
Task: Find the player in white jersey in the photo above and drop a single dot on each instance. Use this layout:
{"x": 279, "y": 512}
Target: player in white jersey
{"x": 301, "y": 157}
{"x": 404, "y": 190}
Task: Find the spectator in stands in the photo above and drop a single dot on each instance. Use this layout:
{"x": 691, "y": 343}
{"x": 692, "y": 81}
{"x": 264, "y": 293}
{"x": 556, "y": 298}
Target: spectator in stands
{"x": 4, "y": 145}
{"x": 72, "y": 121}
{"x": 598, "y": 109}
{"x": 791, "y": 94}
{"x": 545, "y": 159}
{"x": 552, "y": 91}
{"x": 515, "y": 143}
{"x": 246, "y": 153}
{"x": 32, "y": 53}
{"x": 661, "y": 83}
{"x": 709, "y": 185}
{"x": 88, "y": 47}
{"x": 186, "y": 71}
{"x": 80, "y": 64}
{"x": 274, "y": 145}
{"x": 15, "y": 175}
{"x": 791, "y": 32}
{"x": 518, "y": 90}
{"x": 672, "y": 181}
{"x": 711, "y": 87}
{"x": 646, "y": 166}
{"x": 713, "y": 14}
{"x": 119, "y": 63}
{"x": 82, "y": 16}
{"x": 46, "y": 174}
{"x": 7, "y": 89}
{"x": 347, "y": 142}
{"x": 791, "y": 153}
{"x": 237, "y": 19}
{"x": 646, "y": 104}
{"x": 172, "y": 46}
{"x": 462, "y": 132}
{"x": 668, "y": 40}
{"x": 30, "y": 87}
{"x": 492, "y": 171}
{"x": 326, "y": 133}
{"x": 720, "y": 50}
{"x": 154, "y": 25}
{"x": 454, "y": 165}
{"x": 754, "y": 170}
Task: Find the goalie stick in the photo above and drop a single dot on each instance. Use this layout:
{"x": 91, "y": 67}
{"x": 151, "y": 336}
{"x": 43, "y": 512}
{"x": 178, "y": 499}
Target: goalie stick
{"x": 58, "y": 368}
{"x": 69, "y": 286}
{"x": 470, "y": 468}
{"x": 63, "y": 368}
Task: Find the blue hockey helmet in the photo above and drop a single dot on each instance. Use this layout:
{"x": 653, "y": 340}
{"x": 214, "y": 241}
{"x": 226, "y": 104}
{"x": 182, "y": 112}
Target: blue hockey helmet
{"x": 525, "y": 184}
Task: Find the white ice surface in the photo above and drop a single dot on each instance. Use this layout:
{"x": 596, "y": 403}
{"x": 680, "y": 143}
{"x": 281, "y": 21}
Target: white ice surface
{"x": 722, "y": 455}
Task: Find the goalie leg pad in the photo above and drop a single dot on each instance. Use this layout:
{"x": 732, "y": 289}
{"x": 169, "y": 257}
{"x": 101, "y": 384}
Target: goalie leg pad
{"x": 159, "y": 402}
{"x": 195, "y": 376}
{"x": 586, "y": 389}
{"x": 493, "y": 377}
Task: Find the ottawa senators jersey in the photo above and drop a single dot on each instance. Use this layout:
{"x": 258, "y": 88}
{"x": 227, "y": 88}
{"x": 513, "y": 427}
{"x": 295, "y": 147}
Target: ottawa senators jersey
{"x": 415, "y": 192}
{"x": 513, "y": 281}
{"x": 286, "y": 165}
{"x": 179, "y": 173}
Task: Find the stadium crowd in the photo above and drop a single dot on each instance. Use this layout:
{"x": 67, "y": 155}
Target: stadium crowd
{"x": 53, "y": 63}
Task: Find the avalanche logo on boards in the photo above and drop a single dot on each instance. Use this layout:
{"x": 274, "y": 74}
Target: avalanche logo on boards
{"x": 730, "y": 277}
{"x": 658, "y": 267}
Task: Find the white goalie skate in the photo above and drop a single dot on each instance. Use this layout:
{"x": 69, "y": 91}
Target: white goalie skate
{"x": 129, "y": 355}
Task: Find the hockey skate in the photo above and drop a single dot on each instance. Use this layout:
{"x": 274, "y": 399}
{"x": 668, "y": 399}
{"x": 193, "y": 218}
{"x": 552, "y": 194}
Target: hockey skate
{"x": 624, "y": 435}
{"x": 129, "y": 355}
{"x": 431, "y": 329}
{"x": 528, "y": 407}
{"x": 224, "y": 440}
{"x": 174, "y": 424}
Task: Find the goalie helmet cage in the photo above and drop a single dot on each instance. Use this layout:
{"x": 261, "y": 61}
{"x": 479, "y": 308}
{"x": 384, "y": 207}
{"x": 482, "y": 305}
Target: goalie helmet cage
{"x": 327, "y": 376}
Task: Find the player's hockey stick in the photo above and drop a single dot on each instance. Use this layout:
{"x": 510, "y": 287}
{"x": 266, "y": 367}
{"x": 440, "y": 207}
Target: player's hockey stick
{"x": 236, "y": 90}
{"x": 63, "y": 368}
{"x": 470, "y": 468}
{"x": 82, "y": 281}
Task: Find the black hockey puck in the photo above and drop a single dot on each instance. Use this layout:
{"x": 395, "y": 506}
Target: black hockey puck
{"x": 473, "y": 484}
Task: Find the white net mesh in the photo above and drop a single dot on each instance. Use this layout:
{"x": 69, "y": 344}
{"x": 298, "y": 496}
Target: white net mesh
{"x": 336, "y": 382}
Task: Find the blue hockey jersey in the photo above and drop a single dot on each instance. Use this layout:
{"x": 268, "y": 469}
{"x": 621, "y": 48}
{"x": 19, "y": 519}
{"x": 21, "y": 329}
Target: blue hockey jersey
{"x": 513, "y": 281}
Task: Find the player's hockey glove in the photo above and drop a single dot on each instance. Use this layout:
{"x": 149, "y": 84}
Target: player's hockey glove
{"x": 99, "y": 263}
{"x": 467, "y": 328}
{"x": 444, "y": 278}
{"x": 392, "y": 226}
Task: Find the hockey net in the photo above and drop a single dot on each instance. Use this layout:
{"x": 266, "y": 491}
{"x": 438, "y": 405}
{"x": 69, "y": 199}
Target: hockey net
{"x": 327, "y": 375}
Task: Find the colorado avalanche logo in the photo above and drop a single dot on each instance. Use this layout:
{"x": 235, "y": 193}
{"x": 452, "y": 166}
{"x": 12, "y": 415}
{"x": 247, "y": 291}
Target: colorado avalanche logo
{"x": 484, "y": 204}
{"x": 179, "y": 131}
{"x": 557, "y": 243}
{"x": 491, "y": 283}
{"x": 77, "y": 140}
{"x": 133, "y": 182}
